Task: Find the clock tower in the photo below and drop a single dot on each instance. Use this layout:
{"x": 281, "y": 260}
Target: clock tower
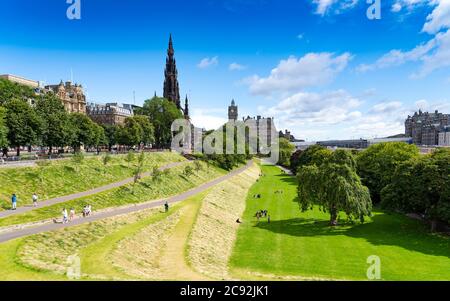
{"x": 233, "y": 111}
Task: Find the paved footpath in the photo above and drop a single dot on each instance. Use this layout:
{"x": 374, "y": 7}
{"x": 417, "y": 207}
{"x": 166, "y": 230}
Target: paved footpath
{"x": 120, "y": 211}
{"x": 78, "y": 195}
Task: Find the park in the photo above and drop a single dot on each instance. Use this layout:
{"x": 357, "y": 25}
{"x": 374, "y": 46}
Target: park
{"x": 130, "y": 237}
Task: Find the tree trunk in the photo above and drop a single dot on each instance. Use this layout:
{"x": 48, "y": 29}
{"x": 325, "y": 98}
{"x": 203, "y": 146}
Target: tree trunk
{"x": 433, "y": 225}
{"x": 18, "y": 151}
{"x": 333, "y": 216}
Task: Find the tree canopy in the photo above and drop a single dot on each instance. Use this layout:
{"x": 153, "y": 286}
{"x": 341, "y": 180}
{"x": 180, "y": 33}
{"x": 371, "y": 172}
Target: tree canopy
{"x": 24, "y": 124}
{"x": 3, "y": 128}
{"x": 286, "y": 150}
{"x": 334, "y": 186}
{"x": 314, "y": 154}
{"x": 421, "y": 185}
{"x": 162, "y": 113}
{"x": 377, "y": 164}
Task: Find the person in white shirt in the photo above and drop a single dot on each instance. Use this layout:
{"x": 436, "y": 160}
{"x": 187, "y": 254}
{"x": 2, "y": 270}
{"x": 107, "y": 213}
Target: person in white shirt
{"x": 35, "y": 199}
{"x": 65, "y": 216}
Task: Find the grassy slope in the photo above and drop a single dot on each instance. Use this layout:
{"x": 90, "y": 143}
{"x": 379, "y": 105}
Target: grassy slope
{"x": 63, "y": 177}
{"x": 171, "y": 183}
{"x": 302, "y": 244}
{"x": 212, "y": 238}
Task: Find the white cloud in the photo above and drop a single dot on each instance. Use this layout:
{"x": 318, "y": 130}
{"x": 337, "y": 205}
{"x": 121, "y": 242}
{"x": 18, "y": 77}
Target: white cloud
{"x": 396, "y": 7}
{"x": 315, "y": 108}
{"x": 293, "y": 75}
{"x": 433, "y": 55}
{"x": 339, "y": 115}
{"x": 439, "y": 17}
{"x": 324, "y": 6}
{"x": 208, "y": 62}
{"x": 300, "y": 36}
{"x": 236, "y": 67}
{"x": 208, "y": 119}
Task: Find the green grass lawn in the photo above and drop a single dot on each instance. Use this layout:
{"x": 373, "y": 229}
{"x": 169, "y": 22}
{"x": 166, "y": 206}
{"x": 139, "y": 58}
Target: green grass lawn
{"x": 303, "y": 245}
{"x": 63, "y": 177}
{"x": 172, "y": 182}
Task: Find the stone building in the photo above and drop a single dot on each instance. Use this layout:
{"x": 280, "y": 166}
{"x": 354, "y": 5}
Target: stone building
{"x": 21, "y": 80}
{"x": 444, "y": 137}
{"x": 424, "y": 127}
{"x": 110, "y": 113}
{"x": 72, "y": 96}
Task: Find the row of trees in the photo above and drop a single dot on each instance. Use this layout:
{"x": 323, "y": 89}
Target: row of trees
{"x": 395, "y": 174}
{"x": 47, "y": 124}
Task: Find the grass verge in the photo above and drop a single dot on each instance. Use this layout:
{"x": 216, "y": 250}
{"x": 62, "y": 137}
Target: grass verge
{"x": 170, "y": 182}
{"x": 64, "y": 177}
{"x": 299, "y": 245}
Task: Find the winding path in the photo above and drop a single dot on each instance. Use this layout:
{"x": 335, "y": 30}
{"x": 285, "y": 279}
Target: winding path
{"x": 78, "y": 195}
{"x": 120, "y": 211}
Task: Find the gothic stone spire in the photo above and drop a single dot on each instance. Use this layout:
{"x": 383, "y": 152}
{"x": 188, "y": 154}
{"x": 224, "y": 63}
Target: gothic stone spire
{"x": 171, "y": 87}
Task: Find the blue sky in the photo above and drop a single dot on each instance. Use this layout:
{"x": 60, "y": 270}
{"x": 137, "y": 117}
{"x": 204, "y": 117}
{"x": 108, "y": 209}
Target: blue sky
{"x": 320, "y": 67}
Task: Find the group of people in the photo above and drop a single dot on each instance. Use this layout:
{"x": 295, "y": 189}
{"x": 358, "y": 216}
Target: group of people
{"x": 262, "y": 213}
{"x": 14, "y": 200}
{"x": 68, "y": 216}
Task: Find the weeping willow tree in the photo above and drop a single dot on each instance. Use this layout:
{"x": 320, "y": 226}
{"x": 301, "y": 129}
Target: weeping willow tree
{"x": 334, "y": 186}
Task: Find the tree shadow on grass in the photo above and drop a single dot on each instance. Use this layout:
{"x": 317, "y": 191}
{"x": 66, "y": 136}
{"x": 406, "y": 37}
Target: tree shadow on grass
{"x": 385, "y": 229}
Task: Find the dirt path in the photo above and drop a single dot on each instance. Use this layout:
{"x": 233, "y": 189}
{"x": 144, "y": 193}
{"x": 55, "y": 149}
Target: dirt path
{"x": 78, "y": 195}
{"x": 173, "y": 260}
{"x": 157, "y": 203}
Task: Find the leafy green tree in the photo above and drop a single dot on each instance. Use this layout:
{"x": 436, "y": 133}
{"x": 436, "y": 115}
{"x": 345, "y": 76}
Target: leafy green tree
{"x": 111, "y": 135}
{"x": 77, "y": 160}
{"x": 421, "y": 185}
{"x": 85, "y": 131}
{"x": 156, "y": 174}
{"x": 3, "y": 129}
{"x": 286, "y": 150}
{"x": 188, "y": 171}
{"x": 106, "y": 159}
{"x": 377, "y": 164}
{"x": 130, "y": 157}
{"x": 56, "y": 126}
{"x": 314, "y": 154}
{"x": 10, "y": 90}
{"x": 148, "y": 131}
{"x": 140, "y": 166}
{"x": 334, "y": 186}
{"x": 162, "y": 113}
{"x": 197, "y": 166}
{"x": 294, "y": 160}
{"x": 24, "y": 125}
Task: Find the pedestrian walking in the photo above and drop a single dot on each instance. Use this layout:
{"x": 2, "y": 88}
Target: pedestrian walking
{"x": 166, "y": 206}
{"x": 34, "y": 198}
{"x": 71, "y": 214}
{"x": 14, "y": 201}
{"x": 65, "y": 216}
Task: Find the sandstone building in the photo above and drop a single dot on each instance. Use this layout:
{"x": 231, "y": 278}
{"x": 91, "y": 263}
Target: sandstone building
{"x": 424, "y": 127}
